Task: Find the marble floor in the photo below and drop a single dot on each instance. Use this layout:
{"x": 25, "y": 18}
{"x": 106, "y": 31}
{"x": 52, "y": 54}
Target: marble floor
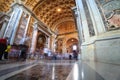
{"x": 45, "y": 71}
{"x": 58, "y": 70}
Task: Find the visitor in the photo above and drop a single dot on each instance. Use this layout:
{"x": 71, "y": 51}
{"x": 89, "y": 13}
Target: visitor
{"x": 70, "y": 57}
{"x": 7, "y": 51}
{"x": 3, "y": 46}
{"x": 24, "y": 50}
{"x": 75, "y": 54}
{"x": 45, "y": 52}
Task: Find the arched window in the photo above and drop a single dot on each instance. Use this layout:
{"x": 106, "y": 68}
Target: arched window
{"x": 74, "y": 47}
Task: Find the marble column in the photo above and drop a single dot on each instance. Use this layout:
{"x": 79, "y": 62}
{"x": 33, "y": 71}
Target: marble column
{"x": 4, "y": 26}
{"x": 64, "y": 50}
{"x": 79, "y": 25}
{"x": 34, "y": 38}
{"x": 48, "y": 42}
{"x": 96, "y": 17}
{"x": 26, "y": 29}
{"x": 79, "y": 28}
{"x": 53, "y": 45}
{"x": 83, "y": 25}
{"x": 51, "y": 40}
{"x": 13, "y": 22}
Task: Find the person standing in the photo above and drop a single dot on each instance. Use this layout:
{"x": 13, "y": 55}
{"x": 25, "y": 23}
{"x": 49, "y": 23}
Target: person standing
{"x": 45, "y": 52}
{"x": 70, "y": 57}
{"x": 7, "y": 51}
{"x": 75, "y": 54}
{"x": 24, "y": 50}
{"x": 3, "y": 46}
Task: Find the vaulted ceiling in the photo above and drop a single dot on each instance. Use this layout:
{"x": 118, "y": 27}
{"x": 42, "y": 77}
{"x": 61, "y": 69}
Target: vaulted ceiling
{"x": 5, "y": 5}
{"x": 50, "y": 12}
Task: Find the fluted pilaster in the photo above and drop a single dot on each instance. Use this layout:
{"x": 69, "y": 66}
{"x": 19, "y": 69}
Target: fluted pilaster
{"x": 13, "y": 22}
{"x": 34, "y": 38}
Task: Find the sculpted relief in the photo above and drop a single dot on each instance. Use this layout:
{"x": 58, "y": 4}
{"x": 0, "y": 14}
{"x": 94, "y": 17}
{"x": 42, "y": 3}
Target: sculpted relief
{"x": 114, "y": 21}
{"x": 110, "y": 9}
{"x": 112, "y": 14}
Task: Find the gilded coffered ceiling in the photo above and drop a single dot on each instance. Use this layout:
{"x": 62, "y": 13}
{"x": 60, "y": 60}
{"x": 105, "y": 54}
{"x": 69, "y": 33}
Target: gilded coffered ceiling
{"x": 5, "y": 5}
{"x": 49, "y": 12}
{"x": 65, "y": 28}
{"x": 52, "y": 11}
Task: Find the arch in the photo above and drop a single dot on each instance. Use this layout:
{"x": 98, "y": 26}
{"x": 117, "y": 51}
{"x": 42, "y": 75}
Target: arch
{"x": 70, "y": 43}
{"x": 53, "y": 28}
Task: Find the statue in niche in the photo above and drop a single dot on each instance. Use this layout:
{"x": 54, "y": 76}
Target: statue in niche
{"x": 110, "y": 11}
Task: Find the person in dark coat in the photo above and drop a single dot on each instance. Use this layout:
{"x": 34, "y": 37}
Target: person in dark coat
{"x": 3, "y": 46}
{"x": 24, "y": 49}
{"x": 75, "y": 54}
{"x": 70, "y": 57}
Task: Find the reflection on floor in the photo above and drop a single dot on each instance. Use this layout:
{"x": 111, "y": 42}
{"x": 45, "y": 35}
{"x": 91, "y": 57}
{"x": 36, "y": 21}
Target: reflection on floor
{"x": 37, "y": 70}
{"x": 58, "y": 70}
{"x": 44, "y": 72}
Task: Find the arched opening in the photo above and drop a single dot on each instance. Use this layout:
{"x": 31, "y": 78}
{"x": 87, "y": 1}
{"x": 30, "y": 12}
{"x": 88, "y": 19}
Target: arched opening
{"x": 72, "y": 44}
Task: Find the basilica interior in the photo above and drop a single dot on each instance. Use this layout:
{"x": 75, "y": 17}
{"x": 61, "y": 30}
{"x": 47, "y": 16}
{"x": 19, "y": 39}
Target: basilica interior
{"x": 91, "y": 28}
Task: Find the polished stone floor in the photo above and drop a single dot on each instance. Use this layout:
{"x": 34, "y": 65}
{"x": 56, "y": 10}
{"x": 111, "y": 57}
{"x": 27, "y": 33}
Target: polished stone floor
{"x": 44, "y": 72}
{"x": 58, "y": 70}
{"x": 36, "y": 70}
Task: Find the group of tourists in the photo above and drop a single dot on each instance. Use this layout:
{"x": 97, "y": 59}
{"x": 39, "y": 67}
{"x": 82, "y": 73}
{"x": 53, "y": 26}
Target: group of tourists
{"x": 20, "y": 52}
{"x": 50, "y": 55}
{"x": 4, "y": 48}
{"x": 12, "y": 51}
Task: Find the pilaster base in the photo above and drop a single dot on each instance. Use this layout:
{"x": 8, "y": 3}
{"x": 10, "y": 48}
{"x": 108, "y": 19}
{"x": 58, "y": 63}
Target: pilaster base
{"x": 103, "y": 48}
